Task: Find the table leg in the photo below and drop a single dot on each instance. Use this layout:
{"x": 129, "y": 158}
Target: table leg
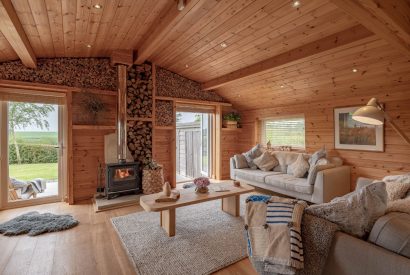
{"x": 168, "y": 221}
{"x": 231, "y": 205}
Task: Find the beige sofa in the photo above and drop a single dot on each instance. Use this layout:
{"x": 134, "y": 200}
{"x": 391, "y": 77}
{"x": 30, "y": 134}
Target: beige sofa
{"x": 329, "y": 183}
{"x": 353, "y": 256}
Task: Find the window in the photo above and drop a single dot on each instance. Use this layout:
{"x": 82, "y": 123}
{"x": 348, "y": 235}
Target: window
{"x": 285, "y": 131}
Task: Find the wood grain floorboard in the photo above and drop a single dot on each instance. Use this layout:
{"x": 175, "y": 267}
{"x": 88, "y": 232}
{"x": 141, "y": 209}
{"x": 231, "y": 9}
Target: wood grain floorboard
{"x": 92, "y": 247}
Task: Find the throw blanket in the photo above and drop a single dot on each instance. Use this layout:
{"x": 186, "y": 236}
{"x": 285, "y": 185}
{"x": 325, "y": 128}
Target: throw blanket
{"x": 28, "y": 187}
{"x": 273, "y": 227}
{"x": 317, "y": 236}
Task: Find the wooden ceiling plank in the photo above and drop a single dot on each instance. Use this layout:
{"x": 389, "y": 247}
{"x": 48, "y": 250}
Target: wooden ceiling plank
{"x": 265, "y": 46}
{"x": 93, "y": 25}
{"x": 81, "y": 22}
{"x": 132, "y": 26}
{"x": 120, "y": 13}
{"x": 380, "y": 18}
{"x": 27, "y": 21}
{"x": 6, "y": 51}
{"x": 55, "y": 18}
{"x": 13, "y": 31}
{"x": 162, "y": 30}
{"x": 69, "y": 10}
{"x": 306, "y": 51}
{"x": 226, "y": 22}
{"x": 40, "y": 16}
{"x": 278, "y": 14}
{"x": 109, "y": 12}
{"x": 210, "y": 11}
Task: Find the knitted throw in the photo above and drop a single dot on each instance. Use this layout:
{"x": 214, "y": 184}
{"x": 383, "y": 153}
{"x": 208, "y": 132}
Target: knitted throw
{"x": 273, "y": 227}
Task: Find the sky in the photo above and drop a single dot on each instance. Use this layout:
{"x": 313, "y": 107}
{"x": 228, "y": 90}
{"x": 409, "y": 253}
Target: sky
{"x": 52, "y": 120}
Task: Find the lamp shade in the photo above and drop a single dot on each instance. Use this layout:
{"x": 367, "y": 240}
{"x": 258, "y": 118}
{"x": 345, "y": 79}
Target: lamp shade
{"x": 369, "y": 114}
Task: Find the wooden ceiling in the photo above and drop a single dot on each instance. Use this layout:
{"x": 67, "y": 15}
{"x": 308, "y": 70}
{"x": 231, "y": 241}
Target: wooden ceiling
{"x": 257, "y": 53}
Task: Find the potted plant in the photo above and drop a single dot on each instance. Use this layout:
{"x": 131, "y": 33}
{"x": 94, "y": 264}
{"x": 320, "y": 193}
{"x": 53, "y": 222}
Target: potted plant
{"x": 231, "y": 120}
{"x": 201, "y": 184}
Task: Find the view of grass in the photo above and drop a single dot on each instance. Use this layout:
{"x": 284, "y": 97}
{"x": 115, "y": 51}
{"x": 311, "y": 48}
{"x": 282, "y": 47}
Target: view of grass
{"x": 31, "y": 171}
{"x": 37, "y": 138}
{"x": 47, "y": 171}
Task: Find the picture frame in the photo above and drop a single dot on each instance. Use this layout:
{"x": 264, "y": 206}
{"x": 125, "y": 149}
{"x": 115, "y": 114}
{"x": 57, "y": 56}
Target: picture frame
{"x": 354, "y": 135}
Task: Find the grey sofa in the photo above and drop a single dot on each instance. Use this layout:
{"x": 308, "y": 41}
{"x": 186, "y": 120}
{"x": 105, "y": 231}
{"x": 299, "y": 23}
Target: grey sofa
{"x": 353, "y": 256}
{"x": 329, "y": 183}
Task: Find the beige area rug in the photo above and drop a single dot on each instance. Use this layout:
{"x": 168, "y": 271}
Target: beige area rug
{"x": 207, "y": 239}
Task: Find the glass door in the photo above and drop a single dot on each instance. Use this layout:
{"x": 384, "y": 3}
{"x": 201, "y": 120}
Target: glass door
{"x": 34, "y": 150}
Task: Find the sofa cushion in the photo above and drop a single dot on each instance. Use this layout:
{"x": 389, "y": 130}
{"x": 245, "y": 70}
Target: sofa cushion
{"x": 240, "y": 161}
{"x": 289, "y": 182}
{"x": 355, "y": 212}
{"x": 285, "y": 159}
{"x": 253, "y": 175}
{"x": 299, "y": 168}
{"x": 392, "y": 232}
{"x": 266, "y": 161}
{"x": 252, "y": 154}
{"x": 316, "y": 156}
{"x": 316, "y": 169}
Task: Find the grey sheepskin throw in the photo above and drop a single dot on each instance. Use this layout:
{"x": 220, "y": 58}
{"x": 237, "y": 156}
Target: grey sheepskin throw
{"x": 34, "y": 223}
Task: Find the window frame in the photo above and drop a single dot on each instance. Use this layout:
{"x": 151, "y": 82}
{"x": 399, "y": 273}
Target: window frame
{"x": 262, "y": 131}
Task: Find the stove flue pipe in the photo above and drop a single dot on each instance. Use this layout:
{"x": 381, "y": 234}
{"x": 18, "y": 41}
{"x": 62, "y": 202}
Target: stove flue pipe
{"x": 122, "y": 114}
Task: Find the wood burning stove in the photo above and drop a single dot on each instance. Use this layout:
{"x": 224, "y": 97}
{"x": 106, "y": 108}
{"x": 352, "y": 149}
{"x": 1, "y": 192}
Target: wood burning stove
{"x": 122, "y": 178}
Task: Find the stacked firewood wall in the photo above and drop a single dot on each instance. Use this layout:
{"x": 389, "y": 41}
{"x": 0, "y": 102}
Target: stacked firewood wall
{"x": 139, "y": 86}
{"x": 164, "y": 113}
{"x": 139, "y": 111}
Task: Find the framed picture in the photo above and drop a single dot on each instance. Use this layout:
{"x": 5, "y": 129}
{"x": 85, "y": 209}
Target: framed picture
{"x": 353, "y": 135}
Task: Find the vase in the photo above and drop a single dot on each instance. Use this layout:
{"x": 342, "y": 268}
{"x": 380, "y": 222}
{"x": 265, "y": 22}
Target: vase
{"x": 202, "y": 190}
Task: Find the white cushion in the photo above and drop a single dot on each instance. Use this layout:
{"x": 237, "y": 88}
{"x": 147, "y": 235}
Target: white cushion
{"x": 240, "y": 161}
{"x": 299, "y": 167}
{"x": 290, "y": 183}
{"x": 252, "y": 154}
{"x": 253, "y": 175}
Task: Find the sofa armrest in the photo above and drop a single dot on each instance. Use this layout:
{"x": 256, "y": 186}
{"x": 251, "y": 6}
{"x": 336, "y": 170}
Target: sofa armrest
{"x": 232, "y": 166}
{"x": 331, "y": 183}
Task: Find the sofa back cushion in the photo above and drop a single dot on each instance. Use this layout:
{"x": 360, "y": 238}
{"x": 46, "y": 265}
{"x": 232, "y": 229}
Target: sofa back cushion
{"x": 252, "y": 154}
{"x": 266, "y": 161}
{"x": 285, "y": 159}
{"x": 240, "y": 161}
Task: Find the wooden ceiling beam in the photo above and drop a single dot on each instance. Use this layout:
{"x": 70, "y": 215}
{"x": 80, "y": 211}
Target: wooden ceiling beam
{"x": 388, "y": 19}
{"x": 298, "y": 54}
{"x": 12, "y": 29}
{"x": 163, "y": 28}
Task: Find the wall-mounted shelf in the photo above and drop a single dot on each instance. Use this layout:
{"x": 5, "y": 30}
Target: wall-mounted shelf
{"x": 148, "y": 119}
{"x": 93, "y": 127}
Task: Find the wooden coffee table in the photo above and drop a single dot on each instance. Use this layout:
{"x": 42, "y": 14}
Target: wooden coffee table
{"x": 230, "y": 202}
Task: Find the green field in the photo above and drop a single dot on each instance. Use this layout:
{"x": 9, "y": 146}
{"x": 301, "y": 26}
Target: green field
{"x": 48, "y": 171}
{"x": 36, "y": 138}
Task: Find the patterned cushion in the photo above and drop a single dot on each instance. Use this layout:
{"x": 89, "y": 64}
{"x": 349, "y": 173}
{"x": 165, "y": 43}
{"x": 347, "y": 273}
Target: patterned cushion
{"x": 266, "y": 161}
{"x": 240, "y": 161}
{"x": 299, "y": 167}
{"x": 252, "y": 154}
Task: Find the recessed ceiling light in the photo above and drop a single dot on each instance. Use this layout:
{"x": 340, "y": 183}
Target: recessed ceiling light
{"x": 282, "y": 86}
{"x": 88, "y": 46}
{"x": 97, "y": 6}
{"x": 186, "y": 65}
{"x": 181, "y": 5}
{"x": 224, "y": 45}
{"x": 296, "y": 4}
{"x": 354, "y": 70}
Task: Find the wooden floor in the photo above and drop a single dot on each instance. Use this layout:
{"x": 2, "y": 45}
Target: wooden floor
{"x": 90, "y": 248}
